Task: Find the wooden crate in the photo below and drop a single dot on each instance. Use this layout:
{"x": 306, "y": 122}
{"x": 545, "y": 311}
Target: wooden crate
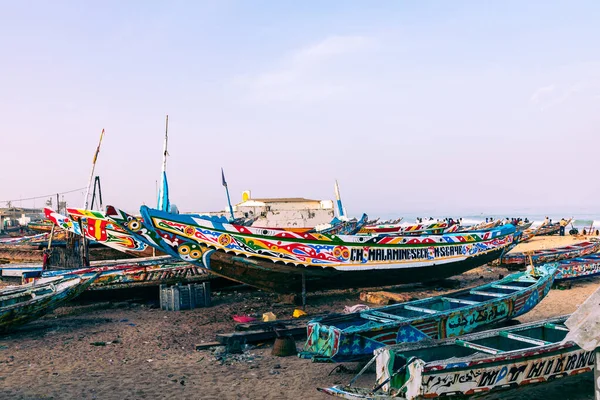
{"x": 184, "y": 297}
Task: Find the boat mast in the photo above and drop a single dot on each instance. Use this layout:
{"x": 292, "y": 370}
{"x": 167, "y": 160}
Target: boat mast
{"x": 227, "y": 191}
{"x": 87, "y": 193}
{"x": 163, "y": 193}
{"x": 341, "y": 210}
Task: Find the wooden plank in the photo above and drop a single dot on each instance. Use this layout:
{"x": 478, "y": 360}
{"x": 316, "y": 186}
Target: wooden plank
{"x": 477, "y": 347}
{"x": 461, "y": 301}
{"x": 525, "y": 339}
{"x": 421, "y": 309}
{"x": 259, "y": 335}
{"x": 207, "y": 345}
{"x": 489, "y": 294}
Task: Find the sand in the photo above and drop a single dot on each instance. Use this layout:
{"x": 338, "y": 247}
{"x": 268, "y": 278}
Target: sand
{"x": 151, "y": 352}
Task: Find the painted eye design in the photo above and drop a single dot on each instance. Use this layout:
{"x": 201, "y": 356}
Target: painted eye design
{"x": 184, "y": 250}
{"x": 134, "y": 225}
{"x": 195, "y": 254}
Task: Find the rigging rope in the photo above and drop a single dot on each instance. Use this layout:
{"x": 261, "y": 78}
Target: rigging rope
{"x": 43, "y": 197}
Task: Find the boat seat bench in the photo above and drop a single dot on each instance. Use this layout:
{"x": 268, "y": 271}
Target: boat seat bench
{"x": 461, "y": 301}
{"x": 421, "y": 309}
{"x": 489, "y": 294}
{"x": 525, "y": 339}
{"x": 477, "y": 347}
{"x": 386, "y": 315}
{"x": 507, "y": 287}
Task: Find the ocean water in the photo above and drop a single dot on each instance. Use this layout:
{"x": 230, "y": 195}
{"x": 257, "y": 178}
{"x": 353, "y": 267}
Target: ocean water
{"x": 579, "y": 221}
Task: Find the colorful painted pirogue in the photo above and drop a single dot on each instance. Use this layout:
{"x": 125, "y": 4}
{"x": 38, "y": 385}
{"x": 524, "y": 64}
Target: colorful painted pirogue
{"x": 410, "y": 230}
{"x": 96, "y": 227}
{"x": 133, "y": 273}
{"x": 335, "y": 261}
{"x": 25, "y": 303}
{"x": 475, "y": 364}
{"x": 580, "y": 267}
{"x": 41, "y": 226}
{"x": 549, "y": 229}
{"x": 354, "y": 336}
{"x": 550, "y": 255}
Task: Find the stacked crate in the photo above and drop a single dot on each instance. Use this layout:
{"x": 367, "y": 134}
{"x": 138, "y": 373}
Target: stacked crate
{"x": 184, "y": 297}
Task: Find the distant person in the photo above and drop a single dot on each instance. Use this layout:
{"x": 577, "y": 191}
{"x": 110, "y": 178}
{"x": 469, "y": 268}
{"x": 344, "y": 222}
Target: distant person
{"x": 45, "y": 258}
{"x": 486, "y": 220}
{"x": 545, "y": 222}
{"x": 526, "y": 220}
{"x": 597, "y": 232}
{"x": 563, "y": 224}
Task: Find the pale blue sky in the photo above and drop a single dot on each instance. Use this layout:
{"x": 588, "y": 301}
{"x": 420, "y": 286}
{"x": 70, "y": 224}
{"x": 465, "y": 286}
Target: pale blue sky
{"x": 455, "y": 107}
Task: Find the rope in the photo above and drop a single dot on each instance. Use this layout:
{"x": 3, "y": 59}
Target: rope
{"x": 43, "y": 197}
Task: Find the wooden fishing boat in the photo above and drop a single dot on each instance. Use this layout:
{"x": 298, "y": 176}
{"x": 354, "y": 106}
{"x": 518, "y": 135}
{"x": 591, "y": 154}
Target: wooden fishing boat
{"x": 96, "y": 227}
{"x": 580, "y": 267}
{"x": 349, "y": 227}
{"x": 554, "y": 254}
{"x": 131, "y": 273}
{"x": 41, "y": 226}
{"x": 482, "y": 226}
{"x": 523, "y": 226}
{"x": 354, "y": 336}
{"x": 476, "y": 364}
{"x": 21, "y": 304}
{"x": 335, "y": 260}
{"x": 546, "y": 230}
{"x": 410, "y": 230}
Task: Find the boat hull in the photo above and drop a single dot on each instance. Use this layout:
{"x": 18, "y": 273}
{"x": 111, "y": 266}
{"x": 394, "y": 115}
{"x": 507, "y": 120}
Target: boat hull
{"x": 476, "y": 364}
{"x": 19, "y": 314}
{"x": 552, "y": 255}
{"x": 583, "y": 267}
{"x": 355, "y": 336}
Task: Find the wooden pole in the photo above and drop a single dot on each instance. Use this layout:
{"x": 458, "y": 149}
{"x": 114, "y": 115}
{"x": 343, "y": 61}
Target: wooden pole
{"x": 597, "y": 374}
{"x": 303, "y": 291}
{"x": 87, "y": 193}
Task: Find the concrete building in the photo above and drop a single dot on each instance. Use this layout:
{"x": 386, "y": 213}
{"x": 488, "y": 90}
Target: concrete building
{"x": 17, "y": 216}
{"x": 289, "y": 212}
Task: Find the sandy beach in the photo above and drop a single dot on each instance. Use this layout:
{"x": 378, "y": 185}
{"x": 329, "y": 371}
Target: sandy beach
{"x": 130, "y": 349}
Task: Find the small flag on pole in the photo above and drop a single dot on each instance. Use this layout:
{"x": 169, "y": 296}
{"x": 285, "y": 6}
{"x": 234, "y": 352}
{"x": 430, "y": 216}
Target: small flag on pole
{"x": 223, "y": 177}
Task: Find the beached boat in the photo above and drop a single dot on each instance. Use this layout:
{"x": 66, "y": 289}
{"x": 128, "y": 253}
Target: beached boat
{"x": 476, "y": 364}
{"x": 96, "y": 227}
{"x": 523, "y": 226}
{"x": 335, "y": 260}
{"x": 131, "y": 273}
{"x": 21, "y": 304}
{"x": 580, "y": 267}
{"x": 554, "y": 254}
{"x": 549, "y": 229}
{"x": 41, "y": 226}
{"x": 409, "y": 230}
{"x": 354, "y": 336}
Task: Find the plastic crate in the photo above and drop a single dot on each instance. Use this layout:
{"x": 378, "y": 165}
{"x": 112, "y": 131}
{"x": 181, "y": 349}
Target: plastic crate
{"x": 184, "y": 297}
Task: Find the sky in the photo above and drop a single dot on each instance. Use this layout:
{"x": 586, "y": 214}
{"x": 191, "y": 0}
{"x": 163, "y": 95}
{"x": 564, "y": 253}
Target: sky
{"x": 461, "y": 107}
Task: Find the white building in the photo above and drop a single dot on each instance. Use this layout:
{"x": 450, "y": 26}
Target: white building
{"x": 289, "y": 212}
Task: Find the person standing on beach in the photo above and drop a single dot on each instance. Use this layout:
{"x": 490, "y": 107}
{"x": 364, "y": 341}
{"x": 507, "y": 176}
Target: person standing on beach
{"x": 563, "y": 224}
